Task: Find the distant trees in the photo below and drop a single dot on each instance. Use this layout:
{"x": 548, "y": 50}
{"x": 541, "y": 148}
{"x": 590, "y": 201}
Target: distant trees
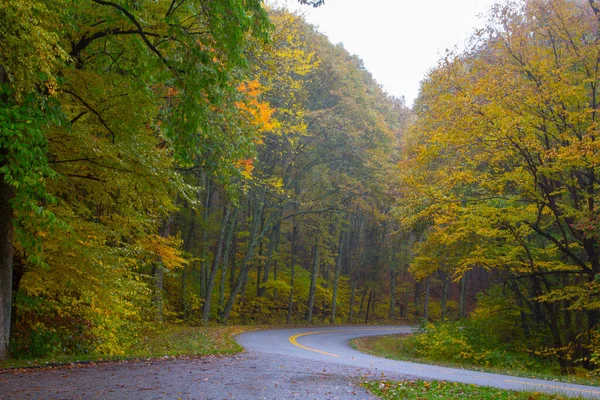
{"x": 320, "y": 156}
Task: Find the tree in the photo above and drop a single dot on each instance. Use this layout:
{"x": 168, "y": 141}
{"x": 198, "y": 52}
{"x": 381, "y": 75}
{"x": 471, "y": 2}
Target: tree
{"x": 134, "y": 51}
{"x": 505, "y": 163}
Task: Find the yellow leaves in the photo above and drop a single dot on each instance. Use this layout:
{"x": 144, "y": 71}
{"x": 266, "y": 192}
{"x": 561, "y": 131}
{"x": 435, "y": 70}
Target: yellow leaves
{"x": 165, "y": 250}
{"x": 506, "y": 138}
{"x": 30, "y": 50}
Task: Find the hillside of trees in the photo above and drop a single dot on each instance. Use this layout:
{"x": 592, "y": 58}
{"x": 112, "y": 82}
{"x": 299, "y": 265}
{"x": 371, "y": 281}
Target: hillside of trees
{"x": 218, "y": 162}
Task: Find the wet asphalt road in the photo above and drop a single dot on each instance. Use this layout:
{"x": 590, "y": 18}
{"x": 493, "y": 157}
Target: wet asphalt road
{"x": 330, "y": 346}
{"x": 308, "y": 363}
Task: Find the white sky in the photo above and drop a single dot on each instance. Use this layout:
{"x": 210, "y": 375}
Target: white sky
{"x": 398, "y": 40}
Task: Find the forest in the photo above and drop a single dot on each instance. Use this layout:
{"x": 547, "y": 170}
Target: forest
{"x": 201, "y": 162}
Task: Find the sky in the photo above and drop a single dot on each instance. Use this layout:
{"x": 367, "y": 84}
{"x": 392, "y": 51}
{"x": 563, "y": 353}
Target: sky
{"x": 398, "y": 40}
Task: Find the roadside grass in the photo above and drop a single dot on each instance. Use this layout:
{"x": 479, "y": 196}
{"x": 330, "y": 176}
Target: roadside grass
{"x": 429, "y": 390}
{"x": 398, "y": 347}
{"x": 164, "y": 341}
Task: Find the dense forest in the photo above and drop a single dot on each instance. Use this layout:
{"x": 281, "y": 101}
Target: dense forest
{"x": 201, "y": 162}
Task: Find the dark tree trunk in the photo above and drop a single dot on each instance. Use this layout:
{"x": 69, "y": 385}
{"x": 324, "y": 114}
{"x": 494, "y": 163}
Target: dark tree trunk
{"x": 538, "y": 313}
{"x": 426, "y": 301}
{"x": 444, "y": 299}
{"x": 275, "y": 292}
{"x": 228, "y": 246}
{"x": 292, "y": 271}
{"x": 204, "y": 252}
{"x": 188, "y": 245}
{"x": 19, "y": 267}
{"x": 273, "y": 243}
{"x": 462, "y": 301}
{"x": 362, "y": 303}
{"x": 351, "y": 308}
{"x": 6, "y": 260}
{"x": 215, "y": 264}
{"x": 158, "y": 272}
{"x": 368, "y": 306}
{"x": 417, "y": 296}
{"x": 258, "y": 264}
{"x": 336, "y": 276}
{"x": 313, "y": 284}
{"x": 233, "y": 268}
{"x": 253, "y": 241}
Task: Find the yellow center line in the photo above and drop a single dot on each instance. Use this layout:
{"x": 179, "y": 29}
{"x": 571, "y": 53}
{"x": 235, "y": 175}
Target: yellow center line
{"x": 295, "y": 343}
{"x": 553, "y": 386}
{"x": 293, "y": 339}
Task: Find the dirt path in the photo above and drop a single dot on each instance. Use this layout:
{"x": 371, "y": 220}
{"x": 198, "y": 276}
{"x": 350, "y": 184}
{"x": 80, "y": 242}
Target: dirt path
{"x": 247, "y": 376}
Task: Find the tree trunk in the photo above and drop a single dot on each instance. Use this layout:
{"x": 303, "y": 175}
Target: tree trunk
{"x": 444, "y": 300}
{"x": 392, "y": 312}
{"x": 273, "y": 243}
{"x": 233, "y": 268}
{"x": 215, "y": 264}
{"x": 19, "y": 267}
{"x": 204, "y": 252}
{"x": 362, "y": 303}
{"x": 313, "y": 284}
{"x": 228, "y": 246}
{"x": 426, "y": 301}
{"x": 462, "y": 301}
{"x": 158, "y": 272}
{"x": 275, "y": 292}
{"x": 292, "y": 271}
{"x": 368, "y": 306}
{"x": 336, "y": 276}
{"x": 538, "y": 313}
{"x": 188, "y": 246}
{"x": 417, "y": 297}
{"x": 6, "y": 260}
{"x": 352, "y": 296}
{"x": 258, "y": 264}
{"x": 253, "y": 241}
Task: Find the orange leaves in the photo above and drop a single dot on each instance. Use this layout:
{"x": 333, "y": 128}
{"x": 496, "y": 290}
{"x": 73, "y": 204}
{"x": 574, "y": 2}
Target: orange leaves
{"x": 245, "y": 166}
{"x": 172, "y": 92}
{"x": 259, "y": 113}
{"x": 252, "y": 88}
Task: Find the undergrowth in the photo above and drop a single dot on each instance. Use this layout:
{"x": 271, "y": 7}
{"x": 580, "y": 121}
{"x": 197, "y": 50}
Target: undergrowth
{"x": 426, "y": 390}
{"x": 455, "y": 345}
{"x": 166, "y": 340}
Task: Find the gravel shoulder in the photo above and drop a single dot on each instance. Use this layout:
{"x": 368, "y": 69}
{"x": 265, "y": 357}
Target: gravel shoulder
{"x": 253, "y": 375}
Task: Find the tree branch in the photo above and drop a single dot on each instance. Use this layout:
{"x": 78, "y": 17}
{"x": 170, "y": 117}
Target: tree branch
{"x": 567, "y": 251}
{"x": 96, "y": 113}
{"x": 140, "y": 29}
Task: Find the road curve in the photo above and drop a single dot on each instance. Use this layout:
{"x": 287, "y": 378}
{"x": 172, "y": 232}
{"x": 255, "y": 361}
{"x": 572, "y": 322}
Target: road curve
{"x": 330, "y": 345}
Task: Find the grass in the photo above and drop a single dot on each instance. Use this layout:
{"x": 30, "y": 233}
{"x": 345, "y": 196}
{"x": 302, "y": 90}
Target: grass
{"x": 164, "y": 341}
{"x": 426, "y": 390}
{"x": 397, "y": 347}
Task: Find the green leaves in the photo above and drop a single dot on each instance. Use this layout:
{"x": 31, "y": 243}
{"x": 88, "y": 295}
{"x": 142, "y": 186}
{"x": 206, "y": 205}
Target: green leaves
{"x": 24, "y": 163}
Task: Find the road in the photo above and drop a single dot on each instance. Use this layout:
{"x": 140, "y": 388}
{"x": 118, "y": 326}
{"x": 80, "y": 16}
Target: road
{"x": 330, "y": 346}
{"x": 307, "y": 363}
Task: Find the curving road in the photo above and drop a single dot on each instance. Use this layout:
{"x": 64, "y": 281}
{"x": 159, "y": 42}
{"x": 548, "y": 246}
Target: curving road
{"x": 330, "y": 346}
{"x": 308, "y": 363}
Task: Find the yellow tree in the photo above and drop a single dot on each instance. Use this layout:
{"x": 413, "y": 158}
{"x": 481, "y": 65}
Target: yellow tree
{"x": 505, "y": 158}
